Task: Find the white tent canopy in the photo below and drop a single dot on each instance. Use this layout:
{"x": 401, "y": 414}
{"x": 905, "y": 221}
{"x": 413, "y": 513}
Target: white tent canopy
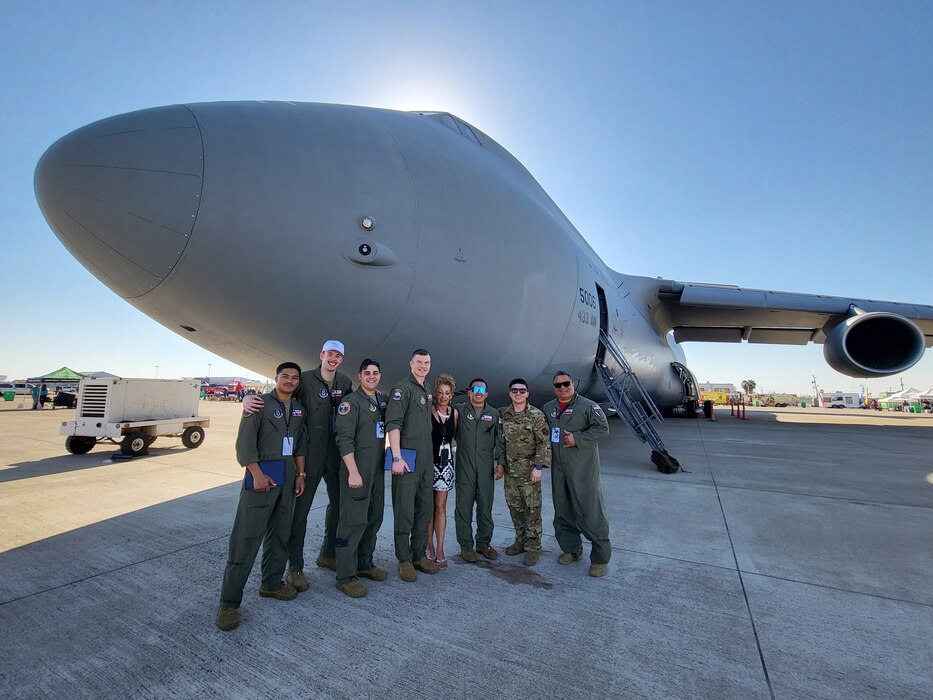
{"x": 927, "y": 395}
{"x": 910, "y": 395}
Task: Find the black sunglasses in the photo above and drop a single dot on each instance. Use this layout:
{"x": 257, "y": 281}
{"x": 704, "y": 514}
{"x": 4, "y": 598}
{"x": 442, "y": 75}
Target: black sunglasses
{"x": 518, "y": 391}
{"x": 562, "y": 385}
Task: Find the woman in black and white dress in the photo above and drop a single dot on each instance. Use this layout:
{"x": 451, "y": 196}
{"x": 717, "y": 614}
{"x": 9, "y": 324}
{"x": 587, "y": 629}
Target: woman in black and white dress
{"x": 443, "y": 428}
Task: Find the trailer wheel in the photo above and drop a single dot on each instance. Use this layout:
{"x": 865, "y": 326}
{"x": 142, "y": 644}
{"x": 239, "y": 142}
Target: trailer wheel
{"x": 134, "y": 444}
{"x": 193, "y": 436}
{"x": 79, "y": 444}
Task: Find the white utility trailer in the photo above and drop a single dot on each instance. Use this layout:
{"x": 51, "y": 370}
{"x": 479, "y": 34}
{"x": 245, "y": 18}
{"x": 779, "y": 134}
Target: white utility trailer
{"x": 135, "y": 411}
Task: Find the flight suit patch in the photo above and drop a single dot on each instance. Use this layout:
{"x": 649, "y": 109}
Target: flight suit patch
{"x": 487, "y": 419}
{"x": 296, "y": 413}
{"x": 344, "y": 408}
{"x": 423, "y": 401}
{"x": 337, "y": 393}
{"x": 322, "y": 393}
{"x": 397, "y": 394}
{"x": 278, "y": 413}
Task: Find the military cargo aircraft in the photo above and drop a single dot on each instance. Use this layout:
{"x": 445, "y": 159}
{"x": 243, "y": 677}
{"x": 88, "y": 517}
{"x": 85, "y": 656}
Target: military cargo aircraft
{"x": 397, "y": 230}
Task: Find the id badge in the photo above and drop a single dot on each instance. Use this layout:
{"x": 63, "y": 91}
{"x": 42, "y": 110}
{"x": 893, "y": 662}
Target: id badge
{"x": 288, "y": 444}
{"x": 380, "y": 429}
{"x": 555, "y": 435}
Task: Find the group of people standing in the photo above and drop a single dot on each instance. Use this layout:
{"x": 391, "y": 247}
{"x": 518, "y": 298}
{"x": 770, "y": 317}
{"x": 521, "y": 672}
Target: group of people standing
{"x": 313, "y": 426}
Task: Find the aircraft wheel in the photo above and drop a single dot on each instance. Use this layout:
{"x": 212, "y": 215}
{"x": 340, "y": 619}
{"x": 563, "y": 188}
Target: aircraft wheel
{"x": 193, "y": 436}
{"x": 134, "y": 444}
{"x": 79, "y": 444}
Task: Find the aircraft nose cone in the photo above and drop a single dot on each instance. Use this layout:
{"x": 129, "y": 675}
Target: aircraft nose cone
{"x": 122, "y": 194}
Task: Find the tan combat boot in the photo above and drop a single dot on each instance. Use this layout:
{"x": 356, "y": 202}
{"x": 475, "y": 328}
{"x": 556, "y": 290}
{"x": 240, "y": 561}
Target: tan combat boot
{"x": 597, "y": 570}
{"x": 469, "y": 555}
{"x": 515, "y": 548}
{"x": 353, "y": 589}
{"x": 285, "y": 592}
{"x": 426, "y": 565}
{"x": 373, "y": 573}
{"x": 406, "y": 572}
{"x": 488, "y": 552}
{"x": 298, "y": 580}
{"x": 531, "y": 557}
{"x": 228, "y": 619}
{"x": 567, "y": 558}
{"x": 326, "y": 562}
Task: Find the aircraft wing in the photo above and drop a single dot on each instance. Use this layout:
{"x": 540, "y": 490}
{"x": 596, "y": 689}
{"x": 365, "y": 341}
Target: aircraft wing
{"x": 729, "y": 314}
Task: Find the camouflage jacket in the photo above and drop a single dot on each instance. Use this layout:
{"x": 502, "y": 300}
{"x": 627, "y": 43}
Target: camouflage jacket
{"x": 527, "y": 439}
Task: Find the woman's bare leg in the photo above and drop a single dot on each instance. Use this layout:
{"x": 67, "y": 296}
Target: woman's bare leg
{"x": 440, "y": 521}
{"x": 430, "y": 548}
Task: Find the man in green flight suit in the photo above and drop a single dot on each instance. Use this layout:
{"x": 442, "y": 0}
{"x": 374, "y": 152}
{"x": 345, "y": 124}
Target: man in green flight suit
{"x": 480, "y": 455}
{"x": 320, "y": 392}
{"x": 408, "y": 422}
{"x": 527, "y": 451}
{"x": 577, "y": 424}
{"x": 270, "y": 441}
{"x": 361, "y": 442}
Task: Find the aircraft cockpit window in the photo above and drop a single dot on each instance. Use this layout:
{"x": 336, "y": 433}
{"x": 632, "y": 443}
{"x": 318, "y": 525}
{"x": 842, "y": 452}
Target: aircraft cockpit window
{"x": 454, "y": 124}
{"x": 467, "y": 132}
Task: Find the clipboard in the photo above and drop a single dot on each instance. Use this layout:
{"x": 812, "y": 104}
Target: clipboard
{"x": 409, "y": 456}
{"x": 273, "y": 468}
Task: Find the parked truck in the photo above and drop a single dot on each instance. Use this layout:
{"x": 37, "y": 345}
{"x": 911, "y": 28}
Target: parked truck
{"x": 135, "y": 412}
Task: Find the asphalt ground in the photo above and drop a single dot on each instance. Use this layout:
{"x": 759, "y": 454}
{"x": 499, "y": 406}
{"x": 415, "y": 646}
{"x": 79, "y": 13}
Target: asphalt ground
{"x": 792, "y": 561}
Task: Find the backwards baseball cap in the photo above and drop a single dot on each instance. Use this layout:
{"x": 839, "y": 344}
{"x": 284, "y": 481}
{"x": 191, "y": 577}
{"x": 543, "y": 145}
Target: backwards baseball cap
{"x": 333, "y": 345}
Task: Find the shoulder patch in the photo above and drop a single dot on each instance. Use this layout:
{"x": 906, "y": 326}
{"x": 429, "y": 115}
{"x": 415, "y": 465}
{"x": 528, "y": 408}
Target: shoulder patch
{"x": 397, "y": 394}
{"x": 344, "y": 408}
{"x": 323, "y": 393}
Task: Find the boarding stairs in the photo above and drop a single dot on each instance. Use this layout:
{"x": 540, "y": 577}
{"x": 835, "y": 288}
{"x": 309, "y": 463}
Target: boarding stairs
{"x": 633, "y": 404}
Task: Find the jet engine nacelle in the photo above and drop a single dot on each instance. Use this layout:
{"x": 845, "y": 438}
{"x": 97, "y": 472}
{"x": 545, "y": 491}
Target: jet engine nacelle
{"x": 873, "y": 344}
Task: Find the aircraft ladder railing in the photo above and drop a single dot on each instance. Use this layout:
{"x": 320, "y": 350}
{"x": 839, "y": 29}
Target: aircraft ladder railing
{"x": 630, "y": 399}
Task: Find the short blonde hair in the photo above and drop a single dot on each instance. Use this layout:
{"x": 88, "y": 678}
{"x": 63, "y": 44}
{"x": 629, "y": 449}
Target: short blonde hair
{"x": 445, "y": 379}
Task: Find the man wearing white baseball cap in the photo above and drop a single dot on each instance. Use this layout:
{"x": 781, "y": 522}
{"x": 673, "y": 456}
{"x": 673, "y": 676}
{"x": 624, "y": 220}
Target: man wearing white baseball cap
{"x": 321, "y": 391}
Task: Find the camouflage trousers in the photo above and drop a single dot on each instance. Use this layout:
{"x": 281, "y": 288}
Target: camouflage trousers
{"x": 524, "y": 501}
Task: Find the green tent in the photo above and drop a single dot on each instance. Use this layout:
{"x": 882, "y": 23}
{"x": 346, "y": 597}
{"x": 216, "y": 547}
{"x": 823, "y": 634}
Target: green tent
{"x": 61, "y": 375}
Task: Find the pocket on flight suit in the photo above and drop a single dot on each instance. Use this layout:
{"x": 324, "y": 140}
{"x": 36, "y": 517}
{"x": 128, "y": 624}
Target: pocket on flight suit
{"x": 357, "y": 507}
{"x": 257, "y": 501}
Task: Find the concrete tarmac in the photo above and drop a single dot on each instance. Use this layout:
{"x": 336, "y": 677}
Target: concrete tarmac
{"x": 792, "y": 561}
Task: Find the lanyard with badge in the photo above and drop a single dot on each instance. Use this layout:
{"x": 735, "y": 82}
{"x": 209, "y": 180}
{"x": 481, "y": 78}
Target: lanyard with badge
{"x": 380, "y": 422}
{"x": 555, "y": 431}
{"x": 288, "y": 442}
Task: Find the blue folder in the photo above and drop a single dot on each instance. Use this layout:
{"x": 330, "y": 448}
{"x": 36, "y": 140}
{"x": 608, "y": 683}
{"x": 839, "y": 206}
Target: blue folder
{"x": 408, "y": 455}
{"x": 274, "y": 469}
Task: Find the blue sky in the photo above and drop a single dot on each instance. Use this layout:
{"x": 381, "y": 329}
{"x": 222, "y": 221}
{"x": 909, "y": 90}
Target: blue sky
{"x": 782, "y": 145}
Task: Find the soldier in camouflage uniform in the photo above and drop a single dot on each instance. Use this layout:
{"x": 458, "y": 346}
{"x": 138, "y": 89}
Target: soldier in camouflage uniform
{"x": 527, "y": 451}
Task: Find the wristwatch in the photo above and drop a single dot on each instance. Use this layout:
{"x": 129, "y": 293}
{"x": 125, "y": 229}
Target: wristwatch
{"x": 396, "y": 459}
{"x": 302, "y": 474}
{"x": 536, "y": 466}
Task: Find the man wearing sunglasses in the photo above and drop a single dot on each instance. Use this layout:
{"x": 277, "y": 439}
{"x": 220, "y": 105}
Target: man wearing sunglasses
{"x": 480, "y": 454}
{"x": 577, "y": 424}
{"x": 527, "y": 451}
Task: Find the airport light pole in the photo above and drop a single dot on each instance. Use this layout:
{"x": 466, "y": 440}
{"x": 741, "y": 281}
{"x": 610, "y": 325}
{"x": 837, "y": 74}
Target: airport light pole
{"x": 157, "y": 371}
{"x": 208, "y": 373}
